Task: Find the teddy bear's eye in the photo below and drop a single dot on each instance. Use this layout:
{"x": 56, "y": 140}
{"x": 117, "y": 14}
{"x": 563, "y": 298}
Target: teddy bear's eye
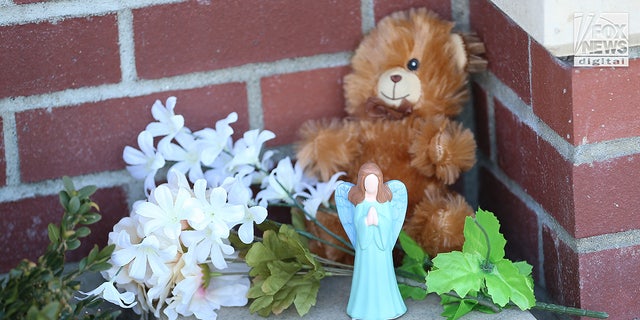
{"x": 413, "y": 64}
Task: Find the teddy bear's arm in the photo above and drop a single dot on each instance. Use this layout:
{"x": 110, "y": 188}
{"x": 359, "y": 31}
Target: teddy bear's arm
{"x": 327, "y": 147}
{"x": 453, "y": 151}
{"x": 443, "y": 149}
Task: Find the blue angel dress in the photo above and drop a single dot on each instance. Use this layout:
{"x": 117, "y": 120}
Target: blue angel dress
{"x": 374, "y": 288}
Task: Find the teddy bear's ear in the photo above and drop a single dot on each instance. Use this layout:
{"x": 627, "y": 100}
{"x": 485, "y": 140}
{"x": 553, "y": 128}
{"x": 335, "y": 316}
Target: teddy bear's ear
{"x": 468, "y": 52}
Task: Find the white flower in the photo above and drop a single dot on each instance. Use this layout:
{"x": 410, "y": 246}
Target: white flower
{"x": 187, "y": 156}
{"x": 127, "y": 225}
{"x": 143, "y": 163}
{"x": 319, "y": 195}
{"x": 283, "y": 182}
{"x": 169, "y": 124}
{"x": 108, "y": 292}
{"x": 208, "y": 243}
{"x": 177, "y": 180}
{"x": 190, "y": 295}
{"x": 247, "y": 150}
{"x": 214, "y": 205}
{"x": 148, "y": 253}
{"x": 255, "y": 214}
{"x": 238, "y": 189}
{"x": 160, "y": 286}
{"x": 193, "y": 297}
{"x": 229, "y": 291}
{"x": 167, "y": 215}
{"x": 208, "y": 238}
{"x": 214, "y": 141}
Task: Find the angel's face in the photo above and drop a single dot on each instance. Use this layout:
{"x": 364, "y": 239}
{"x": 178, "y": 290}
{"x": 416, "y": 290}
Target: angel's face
{"x": 371, "y": 184}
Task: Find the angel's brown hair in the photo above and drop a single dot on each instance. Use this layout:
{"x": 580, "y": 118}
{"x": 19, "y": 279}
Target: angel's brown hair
{"x": 357, "y": 192}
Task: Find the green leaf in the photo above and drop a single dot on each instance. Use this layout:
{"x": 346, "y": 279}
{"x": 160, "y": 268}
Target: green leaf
{"x": 74, "y": 205}
{"x": 68, "y": 184}
{"x": 455, "y": 308}
{"x": 90, "y": 218}
{"x": 255, "y": 291}
{"x": 73, "y": 244}
{"x": 485, "y": 226}
{"x": 257, "y": 257}
{"x": 54, "y": 233}
{"x": 283, "y": 299}
{"x": 261, "y": 304}
{"x": 106, "y": 252}
{"x": 455, "y": 271}
{"x": 93, "y": 253}
{"x": 87, "y": 191}
{"x": 411, "y": 248}
{"x": 83, "y": 232}
{"x": 505, "y": 283}
{"x": 64, "y": 198}
{"x": 84, "y": 208}
{"x": 102, "y": 266}
{"x": 524, "y": 268}
{"x": 412, "y": 292}
{"x": 281, "y": 272}
{"x": 82, "y": 264}
{"x": 306, "y": 297}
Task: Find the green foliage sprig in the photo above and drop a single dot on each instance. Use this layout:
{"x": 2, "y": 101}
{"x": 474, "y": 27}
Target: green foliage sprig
{"x": 477, "y": 278}
{"x": 43, "y": 289}
{"x": 481, "y": 270}
{"x": 284, "y": 272}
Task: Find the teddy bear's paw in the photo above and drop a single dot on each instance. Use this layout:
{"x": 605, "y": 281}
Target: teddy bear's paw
{"x": 452, "y": 151}
{"x": 326, "y": 147}
{"x": 474, "y": 48}
{"x": 437, "y": 222}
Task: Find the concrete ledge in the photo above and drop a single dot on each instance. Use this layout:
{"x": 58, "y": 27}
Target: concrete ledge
{"x": 332, "y": 304}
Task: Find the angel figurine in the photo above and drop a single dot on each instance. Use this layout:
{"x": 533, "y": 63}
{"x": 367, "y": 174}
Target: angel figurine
{"x": 372, "y": 214}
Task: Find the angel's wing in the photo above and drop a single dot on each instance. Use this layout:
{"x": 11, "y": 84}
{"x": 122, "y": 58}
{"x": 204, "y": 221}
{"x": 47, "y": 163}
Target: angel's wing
{"x": 398, "y": 204}
{"x": 346, "y": 210}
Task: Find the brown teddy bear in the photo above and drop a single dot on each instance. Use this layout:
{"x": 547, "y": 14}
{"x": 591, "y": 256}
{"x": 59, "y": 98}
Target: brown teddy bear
{"x": 407, "y": 83}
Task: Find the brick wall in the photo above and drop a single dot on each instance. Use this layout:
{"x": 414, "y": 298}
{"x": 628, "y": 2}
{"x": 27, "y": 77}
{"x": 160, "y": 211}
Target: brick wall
{"x": 77, "y": 83}
{"x": 560, "y": 165}
{"x": 558, "y": 145}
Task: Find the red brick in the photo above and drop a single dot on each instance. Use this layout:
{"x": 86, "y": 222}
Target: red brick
{"x": 506, "y": 44}
{"x": 517, "y": 222}
{"x": 605, "y": 103}
{"x": 607, "y": 189}
{"x": 535, "y": 165}
{"x": 46, "y": 57}
{"x": 552, "y": 91}
{"x": 222, "y": 34}
{"x": 291, "y": 99}
{"x": 609, "y": 282}
{"x": 561, "y": 270}
{"x": 91, "y": 137}
{"x": 3, "y": 161}
{"x": 386, "y": 7}
{"x": 26, "y": 1}
{"x": 482, "y": 119}
{"x": 24, "y": 224}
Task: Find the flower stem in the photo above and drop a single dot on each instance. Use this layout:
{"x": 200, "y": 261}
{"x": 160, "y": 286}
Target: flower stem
{"x": 486, "y": 264}
{"x": 571, "y": 311}
{"x": 311, "y": 236}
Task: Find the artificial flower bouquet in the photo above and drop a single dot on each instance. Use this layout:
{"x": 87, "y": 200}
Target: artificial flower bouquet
{"x": 176, "y": 252}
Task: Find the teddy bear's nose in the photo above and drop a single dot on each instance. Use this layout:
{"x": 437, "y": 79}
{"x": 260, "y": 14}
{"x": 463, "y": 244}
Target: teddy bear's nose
{"x": 396, "y": 78}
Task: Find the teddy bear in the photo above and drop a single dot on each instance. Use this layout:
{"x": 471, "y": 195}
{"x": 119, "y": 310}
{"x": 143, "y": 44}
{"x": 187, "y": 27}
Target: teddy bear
{"x": 406, "y": 86}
